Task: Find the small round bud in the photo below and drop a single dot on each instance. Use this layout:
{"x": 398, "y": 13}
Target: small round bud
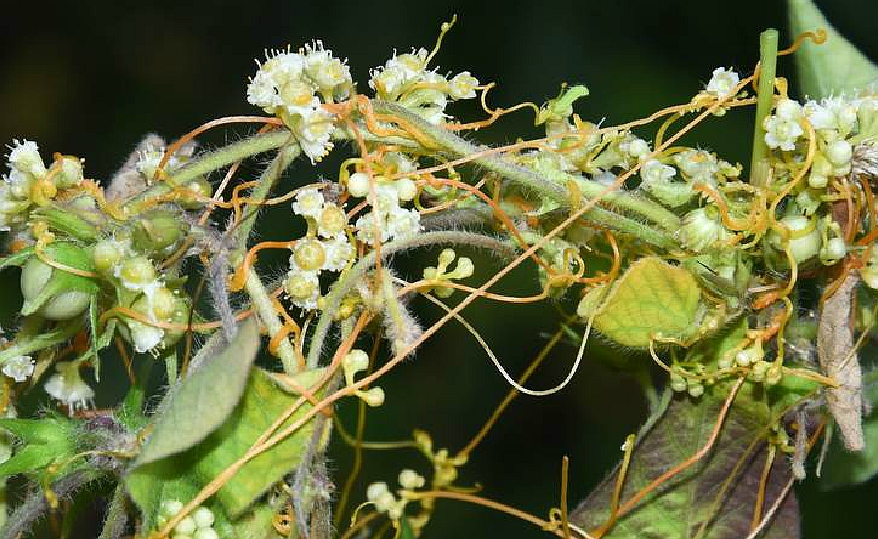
{"x": 163, "y": 303}
{"x": 839, "y": 152}
{"x": 107, "y": 254}
{"x": 373, "y": 397}
{"x": 203, "y": 517}
{"x": 70, "y": 173}
{"x": 186, "y": 526}
{"x": 678, "y": 383}
{"x": 464, "y": 269}
{"x": 695, "y": 390}
{"x": 803, "y": 238}
{"x": 410, "y": 479}
{"x": 358, "y": 184}
{"x": 446, "y": 257}
{"x": 136, "y": 273}
{"x": 835, "y": 249}
{"x": 356, "y": 361}
{"x": 169, "y": 508}
{"x": 206, "y": 533}
{"x": 406, "y": 189}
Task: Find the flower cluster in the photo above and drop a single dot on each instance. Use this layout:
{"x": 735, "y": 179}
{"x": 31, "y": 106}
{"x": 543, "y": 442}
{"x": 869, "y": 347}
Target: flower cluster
{"x": 388, "y": 219}
{"x": 30, "y": 183}
{"x": 198, "y": 525}
{"x": 294, "y": 86}
{"x": 380, "y": 496}
{"x": 405, "y": 79}
{"x": 140, "y": 288}
{"x": 325, "y": 248}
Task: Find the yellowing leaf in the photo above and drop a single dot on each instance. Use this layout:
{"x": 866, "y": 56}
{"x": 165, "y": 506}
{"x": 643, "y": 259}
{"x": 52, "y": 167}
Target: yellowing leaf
{"x": 651, "y": 298}
{"x": 833, "y": 67}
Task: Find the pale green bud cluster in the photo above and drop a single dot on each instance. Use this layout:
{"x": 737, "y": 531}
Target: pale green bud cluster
{"x": 197, "y": 525}
{"x": 440, "y": 272}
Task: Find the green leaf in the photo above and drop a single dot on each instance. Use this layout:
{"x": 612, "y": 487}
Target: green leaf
{"x": 180, "y": 476}
{"x": 843, "y": 468}
{"x": 405, "y": 529}
{"x": 205, "y": 399}
{"x": 45, "y": 441}
{"x": 264, "y": 401}
{"x": 833, "y": 67}
{"x": 692, "y": 498}
{"x": 651, "y": 298}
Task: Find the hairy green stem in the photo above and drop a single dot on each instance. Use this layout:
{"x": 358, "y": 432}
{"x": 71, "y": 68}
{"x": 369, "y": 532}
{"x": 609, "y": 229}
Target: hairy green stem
{"x": 348, "y": 279}
{"x": 237, "y": 151}
{"x": 262, "y": 303}
{"x": 767, "y": 68}
{"x": 255, "y": 288}
{"x": 551, "y": 185}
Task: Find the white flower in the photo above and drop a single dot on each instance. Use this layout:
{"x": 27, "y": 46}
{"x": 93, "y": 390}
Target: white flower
{"x": 819, "y": 116}
{"x": 262, "y": 91}
{"x": 331, "y": 221}
{"x": 303, "y": 288}
{"x": 67, "y": 386}
{"x": 308, "y": 203}
{"x": 145, "y": 336}
{"x": 19, "y": 368}
{"x": 404, "y": 223}
{"x": 463, "y": 86}
{"x": 314, "y": 134}
{"x": 24, "y": 156}
{"x": 358, "y": 184}
{"x": 698, "y": 166}
{"x": 788, "y": 110}
{"x": 702, "y": 230}
{"x": 783, "y": 130}
{"x": 339, "y": 252}
{"x": 723, "y": 82}
{"x": 653, "y": 172}
{"x": 366, "y": 227}
{"x": 329, "y": 74}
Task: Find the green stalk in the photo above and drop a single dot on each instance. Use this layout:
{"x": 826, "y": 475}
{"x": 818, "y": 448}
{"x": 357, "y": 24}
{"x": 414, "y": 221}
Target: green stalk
{"x": 237, "y": 151}
{"x": 349, "y": 278}
{"x": 555, "y": 188}
{"x": 256, "y": 290}
{"x": 767, "y": 69}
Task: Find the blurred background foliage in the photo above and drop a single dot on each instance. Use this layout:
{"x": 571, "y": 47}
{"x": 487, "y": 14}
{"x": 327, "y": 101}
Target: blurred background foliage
{"x": 91, "y": 78}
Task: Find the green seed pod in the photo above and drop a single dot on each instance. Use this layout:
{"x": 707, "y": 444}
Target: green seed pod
{"x": 157, "y": 231}
{"x": 53, "y": 293}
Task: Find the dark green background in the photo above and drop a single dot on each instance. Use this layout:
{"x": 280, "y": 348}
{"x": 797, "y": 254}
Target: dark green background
{"x": 90, "y": 78}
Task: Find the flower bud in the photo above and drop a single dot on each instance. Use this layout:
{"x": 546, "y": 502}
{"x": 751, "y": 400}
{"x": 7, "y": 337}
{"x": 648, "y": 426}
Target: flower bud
{"x": 107, "y": 254}
{"x": 373, "y": 397}
{"x": 57, "y": 294}
{"x": 70, "y": 173}
{"x": 803, "y": 238}
{"x": 157, "y": 231}
{"x": 358, "y": 184}
{"x": 406, "y": 189}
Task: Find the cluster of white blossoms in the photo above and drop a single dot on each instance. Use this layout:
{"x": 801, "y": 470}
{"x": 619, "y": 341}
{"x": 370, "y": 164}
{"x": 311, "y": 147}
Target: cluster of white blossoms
{"x": 294, "y": 86}
{"x": 384, "y": 501}
{"x": 68, "y": 387}
{"x": 19, "y": 368}
{"x": 197, "y": 525}
{"x": 31, "y": 183}
{"x": 404, "y": 79}
{"x": 325, "y": 248}
{"x": 137, "y": 282}
{"x": 388, "y": 218}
